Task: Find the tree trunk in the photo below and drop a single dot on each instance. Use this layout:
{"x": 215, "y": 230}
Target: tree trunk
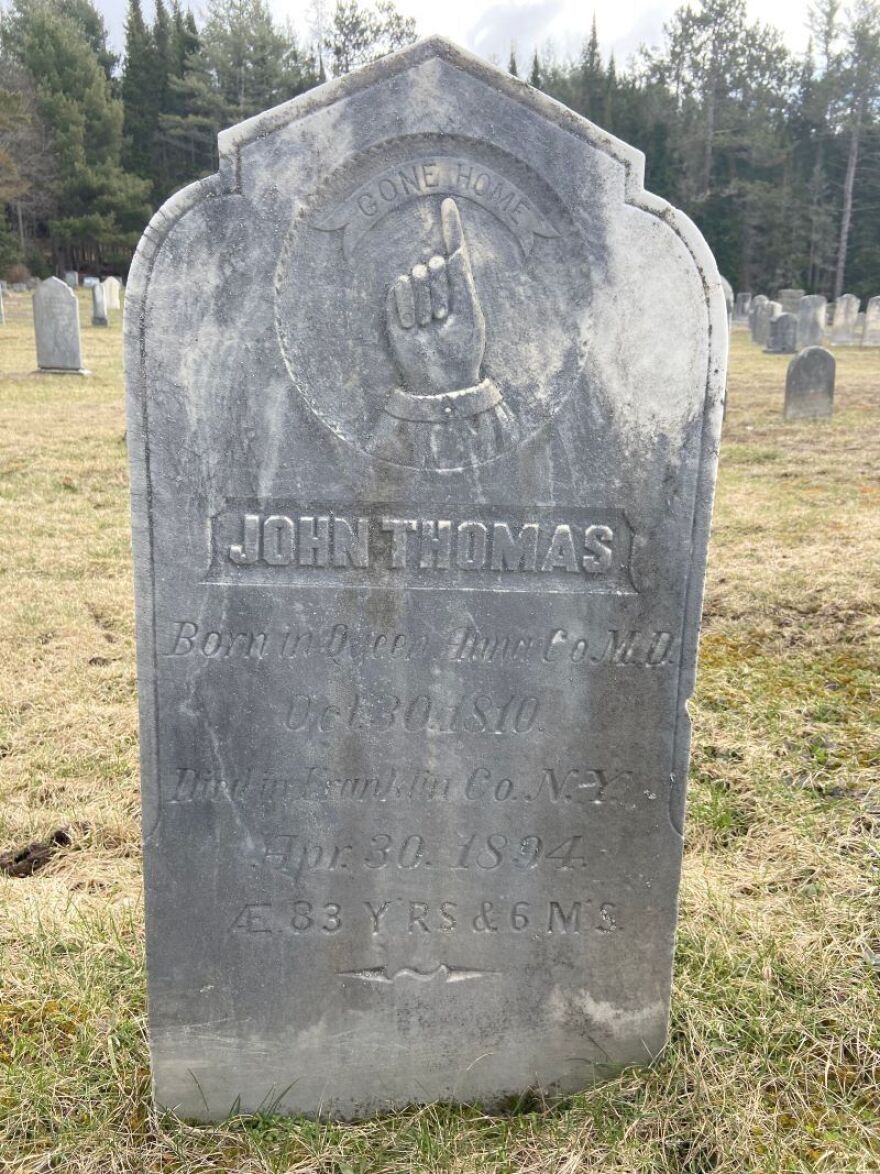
{"x": 846, "y": 215}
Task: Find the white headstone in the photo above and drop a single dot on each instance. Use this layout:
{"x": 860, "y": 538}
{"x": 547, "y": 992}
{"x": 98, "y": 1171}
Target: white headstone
{"x": 56, "y": 327}
{"x": 112, "y": 286}
{"x": 843, "y": 326}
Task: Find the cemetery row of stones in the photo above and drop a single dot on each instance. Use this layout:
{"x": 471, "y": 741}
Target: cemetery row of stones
{"x": 56, "y": 319}
{"x": 797, "y": 320}
{"x": 797, "y": 324}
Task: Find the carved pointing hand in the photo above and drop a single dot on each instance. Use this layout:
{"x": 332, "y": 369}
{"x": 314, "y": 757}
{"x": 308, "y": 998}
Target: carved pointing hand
{"x": 434, "y": 320}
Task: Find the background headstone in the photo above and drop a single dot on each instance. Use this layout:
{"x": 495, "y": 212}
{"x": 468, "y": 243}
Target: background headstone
{"x": 789, "y": 300}
{"x": 56, "y": 327}
{"x": 783, "y": 335}
{"x": 741, "y": 310}
{"x": 413, "y": 794}
{"x": 2, "y": 309}
{"x": 871, "y": 337}
{"x": 764, "y": 314}
{"x": 729, "y": 300}
{"x": 112, "y": 286}
{"x": 859, "y": 332}
{"x": 72, "y": 278}
{"x": 809, "y": 384}
{"x": 99, "y": 308}
{"x": 756, "y": 303}
{"x": 811, "y": 320}
{"x": 843, "y": 325}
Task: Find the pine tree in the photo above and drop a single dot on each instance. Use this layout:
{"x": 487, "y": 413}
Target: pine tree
{"x": 97, "y": 210}
{"x": 535, "y": 74}
{"x": 511, "y": 64}
{"x": 140, "y": 99}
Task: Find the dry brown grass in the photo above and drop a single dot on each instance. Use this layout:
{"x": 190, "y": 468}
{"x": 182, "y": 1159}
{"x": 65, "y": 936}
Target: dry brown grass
{"x": 774, "y": 1059}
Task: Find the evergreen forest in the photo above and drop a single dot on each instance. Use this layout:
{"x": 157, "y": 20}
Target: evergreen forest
{"x": 775, "y": 155}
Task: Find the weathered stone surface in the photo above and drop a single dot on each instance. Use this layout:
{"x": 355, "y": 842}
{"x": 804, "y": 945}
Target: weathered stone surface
{"x": 112, "y": 287}
{"x": 2, "y": 309}
{"x": 871, "y": 336}
{"x": 71, "y": 278}
{"x": 783, "y": 335}
{"x": 56, "y": 327}
{"x": 811, "y": 320}
{"x": 809, "y": 384}
{"x": 99, "y": 305}
{"x": 420, "y": 525}
{"x": 843, "y": 325}
{"x": 789, "y": 299}
{"x": 741, "y": 309}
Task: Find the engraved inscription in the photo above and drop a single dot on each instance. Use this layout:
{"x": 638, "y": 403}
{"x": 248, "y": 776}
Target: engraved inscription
{"x": 398, "y": 916}
{"x": 436, "y": 175}
{"x": 554, "y": 785}
{"x": 619, "y": 647}
{"x": 421, "y": 713}
{"x": 295, "y": 855}
{"x": 547, "y": 548}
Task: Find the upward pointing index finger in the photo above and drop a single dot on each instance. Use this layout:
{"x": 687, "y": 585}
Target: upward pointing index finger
{"x": 450, "y": 222}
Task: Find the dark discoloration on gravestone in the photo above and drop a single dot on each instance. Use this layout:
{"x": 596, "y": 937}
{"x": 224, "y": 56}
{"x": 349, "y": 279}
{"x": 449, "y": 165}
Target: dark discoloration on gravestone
{"x": 420, "y": 525}
{"x": 809, "y": 385}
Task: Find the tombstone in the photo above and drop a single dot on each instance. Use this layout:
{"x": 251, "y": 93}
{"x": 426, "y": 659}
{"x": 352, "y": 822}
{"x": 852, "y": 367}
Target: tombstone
{"x": 843, "y": 326}
{"x": 871, "y": 335}
{"x": 782, "y": 339}
{"x": 789, "y": 300}
{"x": 809, "y": 385}
{"x": 99, "y": 306}
{"x": 764, "y": 315}
{"x": 811, "y": 321}
{"x": 728, "y": 298}
{"x": 2, "y": 310}
{"x": 414, "y": 747}
{"x": 112, "y": 286}
{"x": 741, "y": 309}
{"x": 72, "y": 278}
{"x": 755, "y": 305}
{"x": 56, "y": 327}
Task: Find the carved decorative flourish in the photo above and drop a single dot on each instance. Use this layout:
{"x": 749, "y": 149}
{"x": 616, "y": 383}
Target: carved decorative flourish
{"x": 380, "y": 974}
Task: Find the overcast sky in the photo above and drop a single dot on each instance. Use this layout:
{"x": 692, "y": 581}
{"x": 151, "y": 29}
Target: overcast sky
{"x": 488, "y": 27}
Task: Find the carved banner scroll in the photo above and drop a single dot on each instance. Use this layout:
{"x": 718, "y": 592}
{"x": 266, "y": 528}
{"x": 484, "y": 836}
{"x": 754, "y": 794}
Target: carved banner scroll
{"x": 437, "y": 175}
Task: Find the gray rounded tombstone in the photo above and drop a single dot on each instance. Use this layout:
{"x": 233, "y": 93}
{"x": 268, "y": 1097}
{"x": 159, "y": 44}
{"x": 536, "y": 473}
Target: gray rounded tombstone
{"x": 99, "y": 305}
{"x": 783, "y": 335}
{"x": 812, "y": 311}
{"x": 420, "y": 526}
{"x": 809, "y": 385}
{"x": 56, "y": 328}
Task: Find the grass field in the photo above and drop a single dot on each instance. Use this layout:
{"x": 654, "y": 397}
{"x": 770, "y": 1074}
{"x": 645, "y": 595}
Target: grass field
{"x": 774, "y": 1058}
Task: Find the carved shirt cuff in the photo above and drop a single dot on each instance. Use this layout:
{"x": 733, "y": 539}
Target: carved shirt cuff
{"x": 440, "y": 408}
